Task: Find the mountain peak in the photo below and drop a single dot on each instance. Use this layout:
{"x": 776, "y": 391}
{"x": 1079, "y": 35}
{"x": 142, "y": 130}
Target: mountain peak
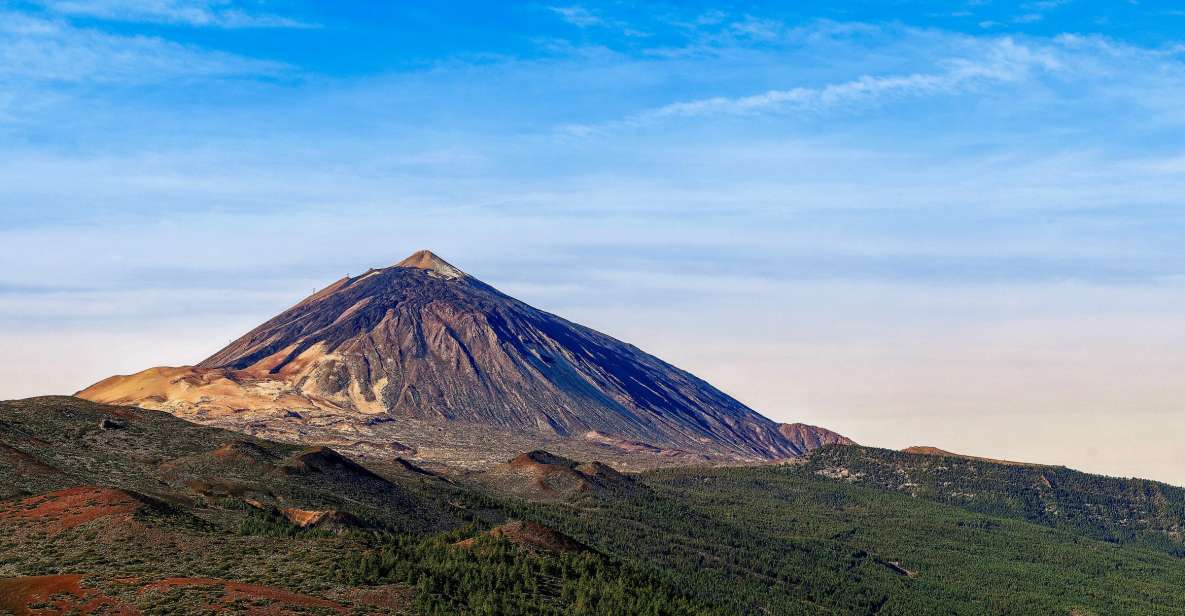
{"x": 421, "y": 340}
{"x": 427, "y": 260}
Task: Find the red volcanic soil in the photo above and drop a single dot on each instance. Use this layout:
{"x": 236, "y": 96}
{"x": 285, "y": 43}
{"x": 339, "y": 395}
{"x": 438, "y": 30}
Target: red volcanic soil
{"x": 57, "y": 594}
{"x": 64, "y": 594}
{"x": 65, "y": 509}
{"x": 281, "y": 601}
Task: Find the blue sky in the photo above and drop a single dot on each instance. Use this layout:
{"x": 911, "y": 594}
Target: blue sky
{"x": 943, "y": 223}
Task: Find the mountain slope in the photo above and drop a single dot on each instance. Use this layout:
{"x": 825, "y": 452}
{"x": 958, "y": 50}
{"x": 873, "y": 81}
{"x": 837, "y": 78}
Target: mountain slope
{"x": 129, "y": 509}
{"x": 135, "y": 511}
{"x": 423, "y": 341}
{"x": 72, "y": 442}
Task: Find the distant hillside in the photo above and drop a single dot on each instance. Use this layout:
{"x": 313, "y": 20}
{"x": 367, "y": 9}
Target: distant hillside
{"x": 774, "y": 539}
{"x": 1106, "y": 508}
{"x": 934, "y": 451}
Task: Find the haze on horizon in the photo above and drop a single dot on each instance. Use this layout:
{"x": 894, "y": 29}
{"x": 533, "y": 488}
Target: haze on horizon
{"x": 946, "y": 224}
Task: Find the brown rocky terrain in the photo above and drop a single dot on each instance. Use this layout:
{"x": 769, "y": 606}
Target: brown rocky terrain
{"x": 73, "y": 594}
{"x": 57, "y": 594}
{"x": 426, "y": 362}
{"x": 61, "y": 510}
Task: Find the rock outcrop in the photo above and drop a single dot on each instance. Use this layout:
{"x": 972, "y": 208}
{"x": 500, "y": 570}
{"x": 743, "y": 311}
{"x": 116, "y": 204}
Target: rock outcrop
{"x": 807, "y": 438}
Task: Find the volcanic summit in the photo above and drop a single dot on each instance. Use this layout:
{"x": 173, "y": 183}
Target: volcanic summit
{"x": 422, "y": 344}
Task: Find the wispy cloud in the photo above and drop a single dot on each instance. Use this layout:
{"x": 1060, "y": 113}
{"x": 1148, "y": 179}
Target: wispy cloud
{"x": 885, "y": 177}
{"x": 199, "y": 13}
{"x": 42, "y": 50}
{"x": 1046, "y": 5}
{"x": 49, "y": 66}
{"x": 1036, "y": 11}
{"x": 577, "y": 16}
{"x": 1004, "y": 60}
{"x": 756, "y": 28}
{"x": 582, "y": 17}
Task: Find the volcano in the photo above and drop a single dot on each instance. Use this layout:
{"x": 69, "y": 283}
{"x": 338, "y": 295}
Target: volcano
{"x": 424, "y": 344}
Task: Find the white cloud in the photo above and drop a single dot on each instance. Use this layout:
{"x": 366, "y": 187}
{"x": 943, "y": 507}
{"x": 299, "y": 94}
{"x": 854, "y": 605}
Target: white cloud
{"x": 48, "y": 66}
{"x": 582, "y": 17}
{"x": 577, "y": 16}
{"x": 201, "y": 13}
{"x": 758, "y": 29}
{"x": 43, "y": 50}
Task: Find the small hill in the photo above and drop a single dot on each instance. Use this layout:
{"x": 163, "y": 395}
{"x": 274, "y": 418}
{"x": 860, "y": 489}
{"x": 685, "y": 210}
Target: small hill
{"x": 542, "y": 476}
{"x": 532, "y": 537}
